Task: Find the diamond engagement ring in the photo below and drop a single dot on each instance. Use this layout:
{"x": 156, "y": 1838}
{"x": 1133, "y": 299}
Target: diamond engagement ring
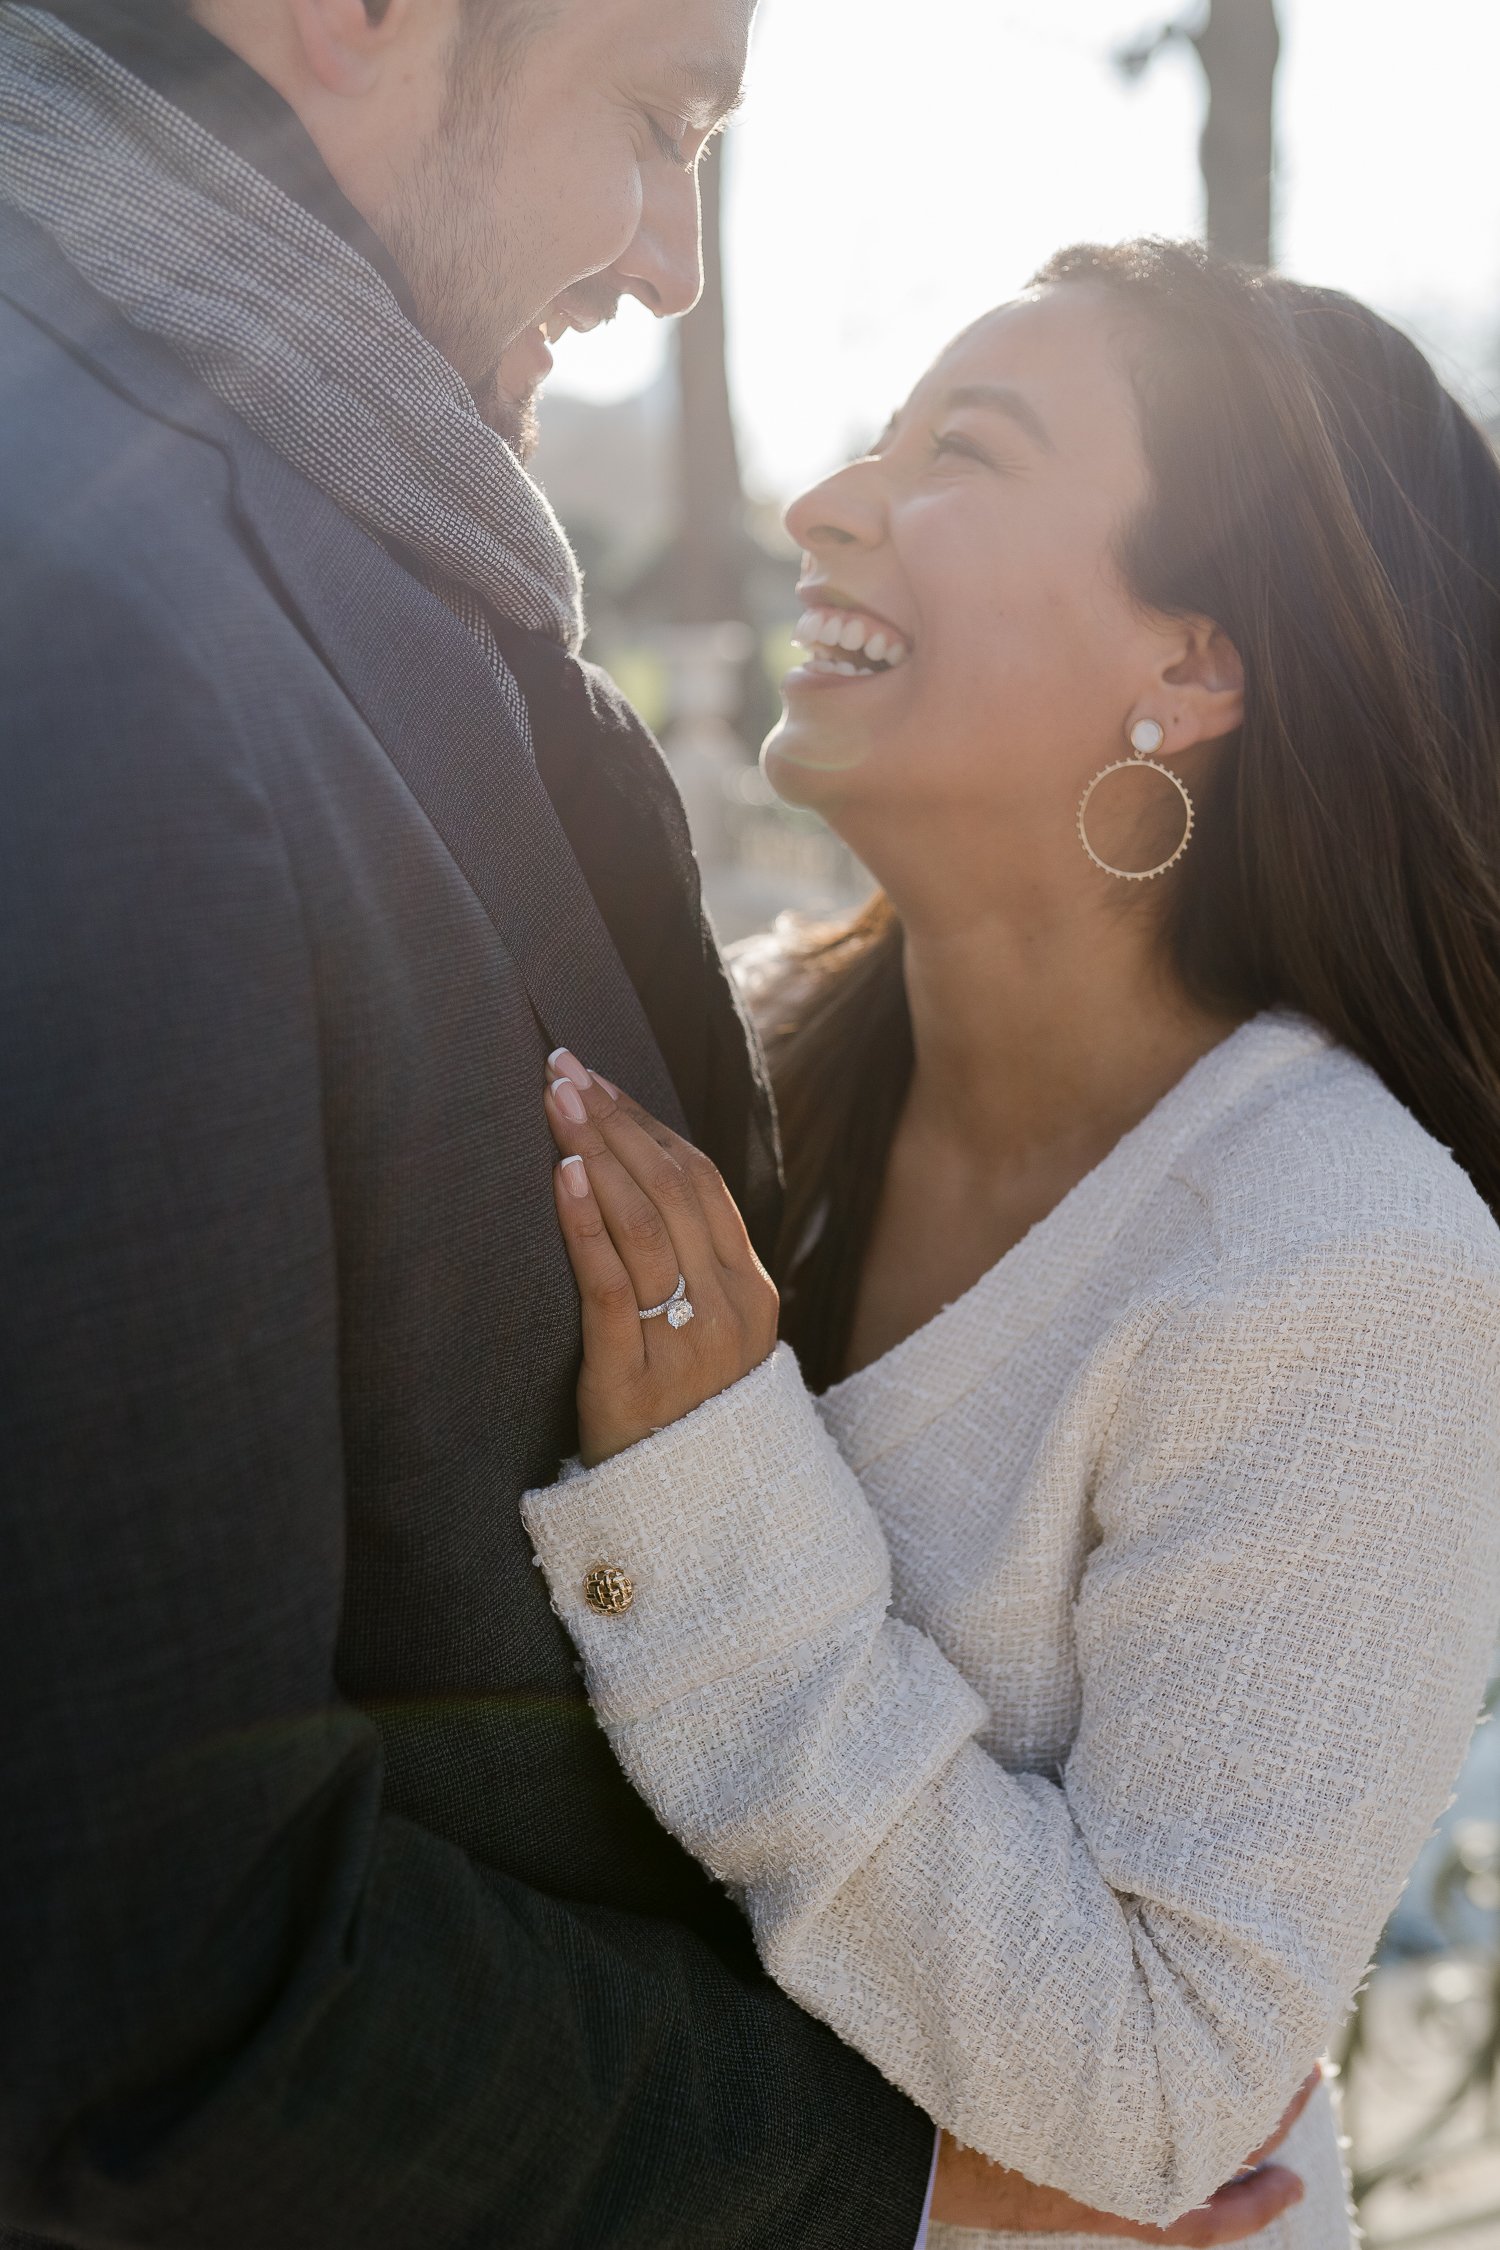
{"x": 676, "y": 1307}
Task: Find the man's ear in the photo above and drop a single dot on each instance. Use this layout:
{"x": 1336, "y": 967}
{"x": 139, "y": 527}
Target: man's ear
{"x": 1203, "y": 685}
{"x": 345, "y": 43}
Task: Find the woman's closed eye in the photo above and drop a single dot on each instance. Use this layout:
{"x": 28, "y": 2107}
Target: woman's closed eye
{"x": 956, "y": 445}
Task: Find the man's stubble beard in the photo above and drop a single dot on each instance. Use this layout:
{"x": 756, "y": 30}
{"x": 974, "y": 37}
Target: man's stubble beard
{"x": 454, "y": 256}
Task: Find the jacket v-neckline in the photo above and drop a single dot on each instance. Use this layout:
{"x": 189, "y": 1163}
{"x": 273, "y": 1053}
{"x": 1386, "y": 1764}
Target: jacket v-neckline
{"x": 427, "y": 695}
{"x": 882, "y": 1404}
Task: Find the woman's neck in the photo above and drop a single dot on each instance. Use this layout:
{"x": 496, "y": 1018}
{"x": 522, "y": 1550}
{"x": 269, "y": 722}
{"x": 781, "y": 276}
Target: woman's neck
{"x": 1035, "y": 1034}
{"x": 1040, "y": 1040}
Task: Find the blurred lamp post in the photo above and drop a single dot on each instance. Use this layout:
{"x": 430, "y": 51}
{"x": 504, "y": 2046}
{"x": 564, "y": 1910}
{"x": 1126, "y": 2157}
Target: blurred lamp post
{"x": 1238, "y": 43}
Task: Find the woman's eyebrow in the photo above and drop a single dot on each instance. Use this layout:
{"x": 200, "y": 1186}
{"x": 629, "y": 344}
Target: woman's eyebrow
{"x": 1001, "y": 398}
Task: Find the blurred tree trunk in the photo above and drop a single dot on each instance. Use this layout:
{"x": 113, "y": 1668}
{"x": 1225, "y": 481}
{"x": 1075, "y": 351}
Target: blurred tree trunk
{"x": 1239, "y": 47}
{"x": 708, "y": 571}
{"x": 1238, "y": 43}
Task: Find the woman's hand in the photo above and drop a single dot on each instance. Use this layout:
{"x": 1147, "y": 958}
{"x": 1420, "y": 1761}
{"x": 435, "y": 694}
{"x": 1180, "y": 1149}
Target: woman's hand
{"x": 971, "y": 2192}
{"x": 639, "y": 1207}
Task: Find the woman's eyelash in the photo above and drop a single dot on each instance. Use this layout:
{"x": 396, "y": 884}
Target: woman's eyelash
{"x": 949, "y": 441}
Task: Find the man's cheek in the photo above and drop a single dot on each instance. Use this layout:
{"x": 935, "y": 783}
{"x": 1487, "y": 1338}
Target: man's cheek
{"x": 610, "y": 196}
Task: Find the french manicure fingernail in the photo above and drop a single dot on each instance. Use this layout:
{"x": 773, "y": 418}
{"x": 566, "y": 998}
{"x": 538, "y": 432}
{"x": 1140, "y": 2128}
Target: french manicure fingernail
{"x": 575, "y": 1177}
{"x": 569, "y": 1101}
{"x": 565, "y": 1065}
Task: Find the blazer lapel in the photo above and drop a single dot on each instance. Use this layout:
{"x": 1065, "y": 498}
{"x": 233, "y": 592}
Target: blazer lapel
{"x": 427, "y": 694}
{"x": 413, "y": 672}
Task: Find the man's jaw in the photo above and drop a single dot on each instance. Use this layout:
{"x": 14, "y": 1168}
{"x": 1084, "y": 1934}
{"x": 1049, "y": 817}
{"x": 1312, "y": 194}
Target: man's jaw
{"x": 509, "y": 412}
{"x": 527, "y": 363}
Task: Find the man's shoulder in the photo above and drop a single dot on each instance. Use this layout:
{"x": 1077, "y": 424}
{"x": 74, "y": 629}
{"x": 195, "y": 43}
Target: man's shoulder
{"x": 134, "y": 629}
{"x": 93, "y": 489}
{"x": 113, "y": 505}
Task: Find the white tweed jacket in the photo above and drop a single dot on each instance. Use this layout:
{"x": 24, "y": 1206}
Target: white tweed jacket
{"x": 1067, "y": 1696}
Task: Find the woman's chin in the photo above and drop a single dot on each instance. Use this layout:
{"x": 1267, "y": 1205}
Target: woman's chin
{"x": 801, "y": 758}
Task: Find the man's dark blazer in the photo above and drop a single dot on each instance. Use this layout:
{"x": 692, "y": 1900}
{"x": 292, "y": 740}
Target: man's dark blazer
{"x": 326, "y": 1921}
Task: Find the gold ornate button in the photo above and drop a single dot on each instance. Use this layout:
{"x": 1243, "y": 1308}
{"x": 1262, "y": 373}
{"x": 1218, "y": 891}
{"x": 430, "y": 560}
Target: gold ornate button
{"x": 608, "y": 1590}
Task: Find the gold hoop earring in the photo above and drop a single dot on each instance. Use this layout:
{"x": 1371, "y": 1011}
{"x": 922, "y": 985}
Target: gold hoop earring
{"x": 1146, "y": 739}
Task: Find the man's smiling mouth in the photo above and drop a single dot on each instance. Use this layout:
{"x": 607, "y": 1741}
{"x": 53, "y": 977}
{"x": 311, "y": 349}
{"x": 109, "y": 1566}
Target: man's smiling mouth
{"x": 847, "y": 644}
{"x": 581, "y": 308}
{"x": 587, "y": 305}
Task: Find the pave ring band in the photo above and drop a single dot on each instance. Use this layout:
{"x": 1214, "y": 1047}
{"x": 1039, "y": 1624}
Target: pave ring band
{"x": 676, "y": 1307}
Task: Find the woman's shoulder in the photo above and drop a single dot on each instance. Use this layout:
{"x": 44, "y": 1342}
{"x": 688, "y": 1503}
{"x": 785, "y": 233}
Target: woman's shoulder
{"x": 1319, "y": 1158}
{"x": 1336, "y": 1284}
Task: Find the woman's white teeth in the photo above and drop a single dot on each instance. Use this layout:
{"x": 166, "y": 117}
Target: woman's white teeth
{"x": 833, "y": 636}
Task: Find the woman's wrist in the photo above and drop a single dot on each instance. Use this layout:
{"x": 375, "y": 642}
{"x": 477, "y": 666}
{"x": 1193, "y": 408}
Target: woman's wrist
{"x": 736, "y": 1528}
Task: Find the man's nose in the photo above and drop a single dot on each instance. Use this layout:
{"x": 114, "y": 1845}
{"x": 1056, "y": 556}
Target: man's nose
{"x": 664, "y": 265}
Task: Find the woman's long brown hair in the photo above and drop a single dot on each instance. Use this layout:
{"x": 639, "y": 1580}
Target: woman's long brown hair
{"x": 1319, "y": 495}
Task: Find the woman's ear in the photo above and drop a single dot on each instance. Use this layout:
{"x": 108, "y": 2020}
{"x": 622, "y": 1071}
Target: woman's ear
{"x": 1202, "y": 687}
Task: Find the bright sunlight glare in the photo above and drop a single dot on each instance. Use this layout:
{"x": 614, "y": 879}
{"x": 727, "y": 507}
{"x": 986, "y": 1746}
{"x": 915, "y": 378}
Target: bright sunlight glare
{"x": 885, "y": 187}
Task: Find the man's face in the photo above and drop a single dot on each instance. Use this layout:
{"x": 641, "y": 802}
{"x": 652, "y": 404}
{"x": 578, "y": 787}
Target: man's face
{"x": 561, "y": 176}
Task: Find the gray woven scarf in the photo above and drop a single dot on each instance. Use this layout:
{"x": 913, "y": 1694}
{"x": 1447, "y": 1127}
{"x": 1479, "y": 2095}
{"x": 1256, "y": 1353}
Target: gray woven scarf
{"x": 290, "y": 326}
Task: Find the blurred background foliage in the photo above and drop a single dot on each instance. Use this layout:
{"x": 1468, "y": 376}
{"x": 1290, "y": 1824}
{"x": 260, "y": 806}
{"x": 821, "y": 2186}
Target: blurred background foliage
{"x": 691, "y": 596}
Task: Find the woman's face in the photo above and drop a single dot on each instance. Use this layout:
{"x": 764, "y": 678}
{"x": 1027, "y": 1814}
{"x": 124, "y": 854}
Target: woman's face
{"x": 975, "y": 546}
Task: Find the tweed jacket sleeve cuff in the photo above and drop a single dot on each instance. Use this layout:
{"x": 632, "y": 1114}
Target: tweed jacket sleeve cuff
{"x": 739, "y": 1530}
{"x": 749, "y": 1675}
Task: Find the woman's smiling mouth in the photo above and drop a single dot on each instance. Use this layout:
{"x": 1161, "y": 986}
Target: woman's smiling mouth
{"x": 848, "y": 644}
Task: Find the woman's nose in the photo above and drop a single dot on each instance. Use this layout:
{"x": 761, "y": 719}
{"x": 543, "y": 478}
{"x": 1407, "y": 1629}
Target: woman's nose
{"x": 845, "y": 510}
